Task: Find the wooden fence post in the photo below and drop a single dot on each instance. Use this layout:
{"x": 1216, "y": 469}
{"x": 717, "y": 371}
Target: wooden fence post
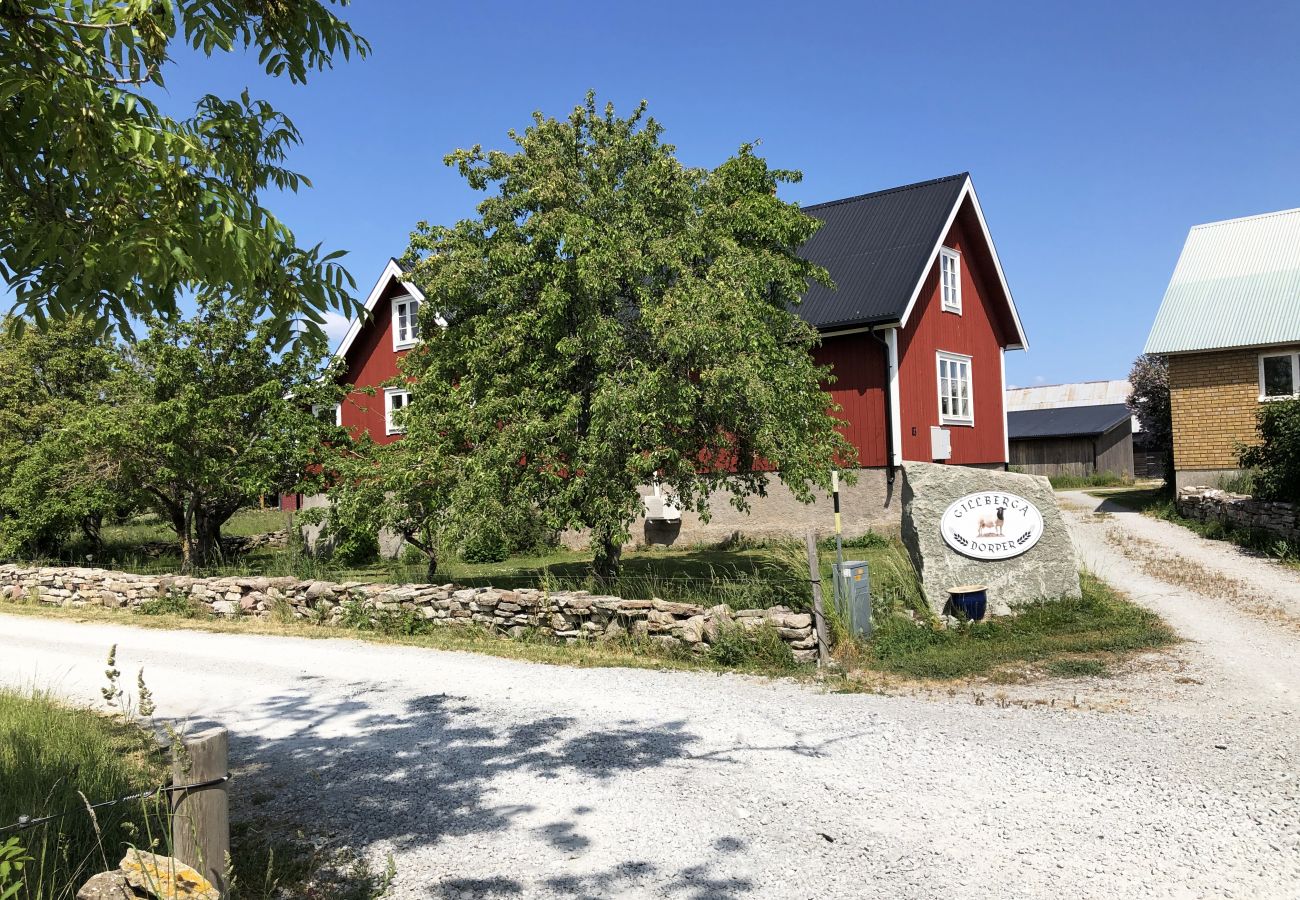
{"x": 201, "y": 817}
{"x": 819, "y": 615}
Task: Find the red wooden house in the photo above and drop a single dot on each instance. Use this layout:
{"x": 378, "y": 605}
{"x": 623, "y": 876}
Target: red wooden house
{"x": 916, "y": 329}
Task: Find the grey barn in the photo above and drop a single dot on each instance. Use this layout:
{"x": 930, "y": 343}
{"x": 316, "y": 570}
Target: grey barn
{"x": 1072, "y": 440}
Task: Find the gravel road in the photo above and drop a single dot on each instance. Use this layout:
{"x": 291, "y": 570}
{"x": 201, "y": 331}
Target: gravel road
{"x": 489, "y": 778}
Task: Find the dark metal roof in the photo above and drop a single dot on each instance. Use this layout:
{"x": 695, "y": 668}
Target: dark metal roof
{"x": 875, "y": 247}
{"x": 1066, "y": 421}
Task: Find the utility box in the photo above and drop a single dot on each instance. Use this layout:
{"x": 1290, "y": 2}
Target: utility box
{"x": 940, "y": 443}
{"x": 853, "y": 596}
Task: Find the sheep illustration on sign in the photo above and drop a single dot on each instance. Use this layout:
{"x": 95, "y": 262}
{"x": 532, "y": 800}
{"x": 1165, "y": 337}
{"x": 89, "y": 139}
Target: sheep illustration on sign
{"x": 991, "y": 525}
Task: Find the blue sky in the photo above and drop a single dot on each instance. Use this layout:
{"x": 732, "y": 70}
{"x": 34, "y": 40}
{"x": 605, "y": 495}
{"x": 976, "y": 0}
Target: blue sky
{"x": 1096, "y": 133}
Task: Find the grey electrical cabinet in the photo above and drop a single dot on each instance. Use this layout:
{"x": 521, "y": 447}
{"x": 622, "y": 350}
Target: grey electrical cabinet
{"x": 853, "y": 596}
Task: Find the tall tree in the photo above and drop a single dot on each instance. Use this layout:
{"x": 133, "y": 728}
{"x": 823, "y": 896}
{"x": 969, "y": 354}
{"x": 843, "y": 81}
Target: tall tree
{"x": 1149, "y": 401}
{"x": 49, "y": 488}
{"x": 614, "y": 317}
{"x": 209, "y": 413}
{"x": 109, "y": 208}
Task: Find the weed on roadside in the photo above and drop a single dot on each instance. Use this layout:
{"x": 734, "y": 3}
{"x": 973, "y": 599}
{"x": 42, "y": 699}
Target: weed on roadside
{"x": 172, "y": 603}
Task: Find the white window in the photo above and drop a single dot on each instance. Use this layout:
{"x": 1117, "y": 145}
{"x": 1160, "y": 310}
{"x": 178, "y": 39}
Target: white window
{"x": 956, "y": 406}
{"x": 406, "y": 322}
{"x": 325, "y": 414}
{"x": 1279, "y": 376}
{"x": 395, "y": 399}
{"x": 950, "y": 279}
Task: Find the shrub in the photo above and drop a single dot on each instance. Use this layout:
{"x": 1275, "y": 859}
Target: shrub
{"x": 353, "y": 546}
{"x": 762, "y": 647}
{"x": 171, "y": 603}
{"x": 1275, "y": 460}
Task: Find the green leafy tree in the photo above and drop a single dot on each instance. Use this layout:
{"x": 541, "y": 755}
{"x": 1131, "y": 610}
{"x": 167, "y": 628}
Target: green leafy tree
{"x": 1275, "y": 460}
{"x": 209, "y": 413}
{"x": 109, "y": 208}
{"x": 1149, "y": 401}
{"x": 50, "y": 489}
{"x": 613, "y": 317}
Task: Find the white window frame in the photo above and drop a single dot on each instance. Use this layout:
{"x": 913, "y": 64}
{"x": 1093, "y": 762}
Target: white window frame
{"x": 1294, "y": 356}
{"x": 389, "y": 394}
{"x": 411, "y": 336}
{"x": 940, "y": 358}
{"x": 338, "y": 412}
{"x": 950, "y": 295}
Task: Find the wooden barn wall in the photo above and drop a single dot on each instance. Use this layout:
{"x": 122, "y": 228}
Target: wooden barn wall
{"x": 1053, "y": 456}
{"x": 975, "y": 333}
{"x": 858, "y": 364}
{"x": 1115, "y": 450}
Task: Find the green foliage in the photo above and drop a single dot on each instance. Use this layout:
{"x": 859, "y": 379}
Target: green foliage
{"x": 1238, "y": 483}
{"x": 1149, "y": 402}
{"x": 1074, "y": 667}
{"x": 1100, "y": 621}
{"x": 1275, "y": 459}
{"x": 50, "y": 756}
{"x": 13, "y": 858}
{"x": 613, "y": 317}
{"x": 206, "y": 414}
{"x": 172, "y": 603}
{"x": 112, "y": 209}
{"x": 760, "y": 648}
{"x": 353, "y": 546}
{"x": 50, "y": 487}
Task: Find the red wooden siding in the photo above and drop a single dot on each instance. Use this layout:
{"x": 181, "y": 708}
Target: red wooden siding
{"x": 371, "y": 362}
{"x": 858, "y": 363}
{"x": 975, "y": 333}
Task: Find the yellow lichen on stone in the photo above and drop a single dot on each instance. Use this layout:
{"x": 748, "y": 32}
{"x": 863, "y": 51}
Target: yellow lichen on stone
{"x": 166, "y": 878}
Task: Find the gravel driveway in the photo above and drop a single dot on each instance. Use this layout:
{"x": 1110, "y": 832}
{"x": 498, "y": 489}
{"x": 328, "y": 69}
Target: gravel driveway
{"x": 493, "y": 778}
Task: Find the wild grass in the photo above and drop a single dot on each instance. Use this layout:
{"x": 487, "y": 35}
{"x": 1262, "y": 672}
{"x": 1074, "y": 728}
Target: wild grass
{"x": 1158, "y": 503}
{"x": 1096, "y": 479}
{"x": 54, "y": 760}
{"x": 1100, "y": 621}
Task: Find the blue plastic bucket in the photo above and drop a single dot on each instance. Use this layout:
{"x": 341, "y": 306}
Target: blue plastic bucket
{"x": 970, "y": 600}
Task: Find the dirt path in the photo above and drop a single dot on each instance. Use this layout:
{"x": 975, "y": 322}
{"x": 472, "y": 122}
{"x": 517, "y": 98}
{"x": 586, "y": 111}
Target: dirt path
{"x": 1240, "y": 613}
{"x": 490, "y": 778}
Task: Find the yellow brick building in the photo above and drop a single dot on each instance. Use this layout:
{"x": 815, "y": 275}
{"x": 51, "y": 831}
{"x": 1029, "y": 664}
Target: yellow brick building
{"x": 1229, "y": 327}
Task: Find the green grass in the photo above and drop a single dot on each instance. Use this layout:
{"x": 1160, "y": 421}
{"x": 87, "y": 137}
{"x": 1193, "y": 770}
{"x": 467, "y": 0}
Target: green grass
{"x": 149, "y": 528}
{"x": 52, "y": 755}
{"x": 1101, "y": 622}
{"x": 1096, "y": 479}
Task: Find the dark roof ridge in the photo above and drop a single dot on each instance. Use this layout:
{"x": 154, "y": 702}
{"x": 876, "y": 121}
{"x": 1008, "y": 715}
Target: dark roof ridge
{"x": 893, "y": 190}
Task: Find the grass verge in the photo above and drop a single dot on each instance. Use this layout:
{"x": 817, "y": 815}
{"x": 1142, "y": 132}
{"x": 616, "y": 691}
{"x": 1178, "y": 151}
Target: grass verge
{"x": 1047, "y": 633}
{"x": 1096, "y": 479}
{"x": 1158, "y": 503}
{"x": 53, "y": 760}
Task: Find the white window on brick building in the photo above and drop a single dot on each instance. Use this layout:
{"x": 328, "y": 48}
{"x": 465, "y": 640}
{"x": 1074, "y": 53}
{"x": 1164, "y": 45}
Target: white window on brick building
{"x": 1279, "y": 375}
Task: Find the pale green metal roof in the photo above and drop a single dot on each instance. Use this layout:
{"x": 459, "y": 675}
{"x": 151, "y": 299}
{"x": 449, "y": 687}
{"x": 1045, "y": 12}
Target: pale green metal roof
{"x": 1237, "y": 284}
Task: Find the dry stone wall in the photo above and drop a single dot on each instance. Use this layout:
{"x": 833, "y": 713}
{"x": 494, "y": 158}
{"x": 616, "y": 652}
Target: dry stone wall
{"x": 567, "y": 615}
{"x": 1240, "y": 511}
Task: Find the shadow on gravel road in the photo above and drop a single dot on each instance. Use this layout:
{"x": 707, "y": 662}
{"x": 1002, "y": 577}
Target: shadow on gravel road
{"x": 411, "y": 777}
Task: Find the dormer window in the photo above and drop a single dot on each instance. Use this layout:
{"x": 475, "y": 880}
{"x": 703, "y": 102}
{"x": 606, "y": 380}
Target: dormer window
{"x": 950, "y": 279}
{"x": 406, "y": 322}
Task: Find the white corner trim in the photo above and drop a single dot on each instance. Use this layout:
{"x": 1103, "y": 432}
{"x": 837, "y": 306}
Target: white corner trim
{"x": 896, "y": 415}
{"x": 968, "y": 190}
{"x": 391, "y": 271}
{"x": 1006, "y": 431}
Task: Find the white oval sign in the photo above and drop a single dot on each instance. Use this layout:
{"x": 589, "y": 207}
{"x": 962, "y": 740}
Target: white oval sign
{"x": 991, "y": 525}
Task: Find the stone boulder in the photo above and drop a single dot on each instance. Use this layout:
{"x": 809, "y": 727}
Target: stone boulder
{"x": 1048, "y": 569}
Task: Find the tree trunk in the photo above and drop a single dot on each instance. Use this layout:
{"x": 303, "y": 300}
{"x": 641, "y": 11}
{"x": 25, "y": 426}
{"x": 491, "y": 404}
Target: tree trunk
{"x": 92, "y": 528}
{"x": 607, "y": 560}
{"x": 207, "y": 531}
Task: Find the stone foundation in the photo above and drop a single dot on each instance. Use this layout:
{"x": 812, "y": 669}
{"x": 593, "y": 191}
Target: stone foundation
{"x": 566, "y": 615}
{"x": 1240, "y": 511}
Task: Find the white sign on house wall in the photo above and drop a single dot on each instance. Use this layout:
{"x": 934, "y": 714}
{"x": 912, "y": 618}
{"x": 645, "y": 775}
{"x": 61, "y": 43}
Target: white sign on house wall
{"x": 991, "y": 525}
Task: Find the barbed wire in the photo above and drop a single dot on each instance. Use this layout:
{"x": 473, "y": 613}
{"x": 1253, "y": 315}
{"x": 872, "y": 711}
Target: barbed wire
{"x": 26, "y": 822}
